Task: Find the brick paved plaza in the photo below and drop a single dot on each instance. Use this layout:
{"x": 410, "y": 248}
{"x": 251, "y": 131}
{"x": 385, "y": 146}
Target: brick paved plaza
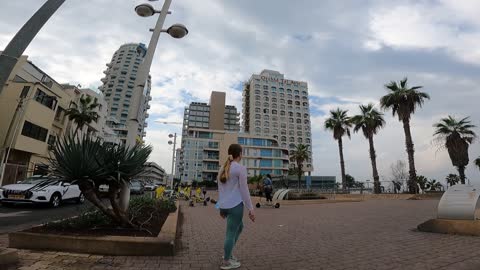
{"x": 376, "y": 234}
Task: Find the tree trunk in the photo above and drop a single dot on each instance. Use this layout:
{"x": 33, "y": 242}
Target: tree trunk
{"x": 461, "y": 172}
{"x": 373, "y": 158}
{"x": 299, "y": 173}
{"x": 124, "y": 195}
{"x": 119, "y": 212}
{"x": 342, "y": 164}
{"x": 91, "y": 195}
{"x": 412, "y": 181}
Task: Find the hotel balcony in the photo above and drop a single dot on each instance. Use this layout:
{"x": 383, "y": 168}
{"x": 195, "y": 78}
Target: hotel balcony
{"x": 104, "y": 79}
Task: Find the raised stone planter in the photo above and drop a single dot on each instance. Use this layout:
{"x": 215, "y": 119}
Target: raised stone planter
{"x": 8, "y": 256}
{"x": 451, "y": 226}
{"x": 163, "y": 244}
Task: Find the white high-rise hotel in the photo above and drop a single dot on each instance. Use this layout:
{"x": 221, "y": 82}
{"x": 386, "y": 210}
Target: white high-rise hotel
{"x": 118, "y": 86}
{"x": 277, "y": 107}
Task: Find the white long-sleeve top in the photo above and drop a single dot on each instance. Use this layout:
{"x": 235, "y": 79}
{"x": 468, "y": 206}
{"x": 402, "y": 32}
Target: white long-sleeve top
{"x": 235, "y": 189}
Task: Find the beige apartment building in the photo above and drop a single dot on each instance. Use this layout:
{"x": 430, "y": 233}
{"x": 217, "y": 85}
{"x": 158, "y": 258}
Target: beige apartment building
{"x": 32, "y": 117}
{"x": 277, "y": 107}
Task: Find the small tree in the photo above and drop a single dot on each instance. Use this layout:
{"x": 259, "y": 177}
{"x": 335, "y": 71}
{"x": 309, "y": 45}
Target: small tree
{"x": 422, "y": 182}
{"x": 452, "y": 179}
{"x": 433, "y": 185}
{"x": 89, "y": 163}
{"x": 350, "y": 180}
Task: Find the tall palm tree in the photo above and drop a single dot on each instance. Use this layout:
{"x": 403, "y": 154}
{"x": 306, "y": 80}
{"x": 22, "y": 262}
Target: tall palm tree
{"x": 456, "y": 136}
{"x": 403, "y": 101}
{"x": 370, "y": 121}
{"x": 84, "y": 114}
{"x": 299, "y": 155}
{"x": 339, "y": 123}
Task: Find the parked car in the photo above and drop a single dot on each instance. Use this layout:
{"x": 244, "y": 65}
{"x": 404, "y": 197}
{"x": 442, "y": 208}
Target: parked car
{"x": 150, "y": 187}
{"x": 40, "y": 189}
{"x": 136, "y": 187}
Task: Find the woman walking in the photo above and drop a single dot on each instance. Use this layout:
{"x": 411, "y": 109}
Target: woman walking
{"x": 233, "y": 196}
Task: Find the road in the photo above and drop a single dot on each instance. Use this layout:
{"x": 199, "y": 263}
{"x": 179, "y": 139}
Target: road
{"x": 20, "y": 217}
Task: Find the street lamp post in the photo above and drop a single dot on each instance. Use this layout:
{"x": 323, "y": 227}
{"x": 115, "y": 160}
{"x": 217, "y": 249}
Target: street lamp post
{"x": 176, "y": 31}
{"x": 16, "y": 47}
{"x": 174, "y": 136}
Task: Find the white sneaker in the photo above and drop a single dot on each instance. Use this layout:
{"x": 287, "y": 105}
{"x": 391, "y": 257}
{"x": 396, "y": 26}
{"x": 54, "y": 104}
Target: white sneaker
{"x": 233, "y": 258}
{"x": 230, "y": 265}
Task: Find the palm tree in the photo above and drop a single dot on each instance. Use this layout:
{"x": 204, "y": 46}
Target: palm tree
{"x": 456, "y": 136}
{"x": 299, "y": 155}
{"x": 83, "y": 115}
{"x": 370, "y": 121}
{"x": 403, "y": 102}
{"x": 433, "y": 185}
{"x": 452, "y": 179}
{"x": 339, "y": 123}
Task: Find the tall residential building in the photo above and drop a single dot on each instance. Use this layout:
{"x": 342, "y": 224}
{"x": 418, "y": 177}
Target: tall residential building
{"x": 277, "y": 107}
{"x": 118, "y": 88}
{"x": 212, "y": 116}
{"x": 32, "y": 118}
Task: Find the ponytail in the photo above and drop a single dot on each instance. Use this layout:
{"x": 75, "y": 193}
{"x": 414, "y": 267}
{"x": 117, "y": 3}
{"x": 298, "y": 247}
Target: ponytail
{"x": 226, "y": 169}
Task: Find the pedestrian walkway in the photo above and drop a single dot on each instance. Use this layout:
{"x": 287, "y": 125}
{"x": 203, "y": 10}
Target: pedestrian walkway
{"x": 354, "y": 235}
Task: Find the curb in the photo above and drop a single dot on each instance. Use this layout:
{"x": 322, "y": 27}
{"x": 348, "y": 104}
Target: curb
{"x": 163, "y": 244}
{"x": 8, "y": 256}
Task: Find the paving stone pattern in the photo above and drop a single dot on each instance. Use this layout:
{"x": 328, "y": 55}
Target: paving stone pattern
{"x": 364, "y": 235}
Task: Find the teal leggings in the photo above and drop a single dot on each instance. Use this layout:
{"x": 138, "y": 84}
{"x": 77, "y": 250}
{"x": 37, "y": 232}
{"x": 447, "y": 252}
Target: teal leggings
{"x": 234, "y": 228}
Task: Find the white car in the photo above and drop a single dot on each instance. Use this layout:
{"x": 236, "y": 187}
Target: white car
{"x": 38, "y": 189}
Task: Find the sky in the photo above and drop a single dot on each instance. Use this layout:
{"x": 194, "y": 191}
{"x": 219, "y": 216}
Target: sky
{"x": 346, "y": 51}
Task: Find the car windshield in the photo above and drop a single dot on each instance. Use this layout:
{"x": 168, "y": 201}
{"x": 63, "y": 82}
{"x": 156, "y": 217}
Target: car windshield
{"x": 135, "y": 184}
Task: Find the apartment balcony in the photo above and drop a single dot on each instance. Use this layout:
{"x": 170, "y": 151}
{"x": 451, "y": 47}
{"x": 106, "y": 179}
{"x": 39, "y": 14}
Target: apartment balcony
{"x": 108, "y": 65}
{"x": 148, "y": 106}
{"x": 145, "y": 124}
{"x": 149, "y": 98}
{"x": 104, "y": 79}
{"x": 146, "y": 115}
{"x": 211, "y": 169}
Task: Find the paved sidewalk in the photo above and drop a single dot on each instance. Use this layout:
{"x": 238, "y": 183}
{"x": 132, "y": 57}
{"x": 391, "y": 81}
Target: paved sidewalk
{"x": 363, "y": 235}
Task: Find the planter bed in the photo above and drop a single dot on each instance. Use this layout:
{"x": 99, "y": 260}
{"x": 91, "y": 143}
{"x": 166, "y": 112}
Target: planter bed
{"x": 156, "y": 239}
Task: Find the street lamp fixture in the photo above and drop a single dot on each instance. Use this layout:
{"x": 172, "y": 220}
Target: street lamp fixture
{"x": 145, "y": 10}
{"x": 177, "y": 30}
{"x": 170, "y": 142}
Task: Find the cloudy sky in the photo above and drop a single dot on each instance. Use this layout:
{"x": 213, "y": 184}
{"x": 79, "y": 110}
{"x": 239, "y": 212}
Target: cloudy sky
{"x": 345, "y": 50}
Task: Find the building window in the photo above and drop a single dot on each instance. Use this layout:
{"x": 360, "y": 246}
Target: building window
{"x": 283, "y": 138}
{"x": 300, "y": 140}
{"x": 304, "y": 93}
{"x": 45, "y": 99}
{"x": 257, "y": 86}
{"x": 299, "y": 133}
{"x": 257, "y": 130}
{"x": 59, "y": 114}
{"x": 266, "y": 130}
{"x": 289, "y": 91}
{"x": 265, "y": 99}
{"x": 283, "y": 132}
{"x": 282, "y": 113}
{"x": 282, "y": 107}
{"x": 266, "y": 123}
{"x": 283, "y": 125}
{"x": 25, "y": 91}
{"x": 289, "y": 102}
{"x": 305, "y": 104}
{"x": 257, "y": 97}
{"x": 282, "y": 95}
{"x": 296, "y": 92}
{"x": 306, "y": 122}
{"x": 291, "y": 120}
{"x": 266, "y": 88}
{"x": 308, "y": 140}
{"x": 266, "y": 117}
{"x": 281, "y": 90}
{"x": 265, "y": 93}
{"x": 35, "y": 132}
{"x": 291, "y": 132}
{"x": 257, "y": 92}
{"x": 274, "y": 100}
{"x": 257, "y": 123}
{"x": 305, "y": 115}
{"x": 265, "y": 104}
{"x": 257, "y": 110}
{"x": 289, "y": 96}
{"x": 258, "y": 116}
{"x": 51, "y": 140}
{"x": 258, "y": 103}
{"x": 292, "y": 139}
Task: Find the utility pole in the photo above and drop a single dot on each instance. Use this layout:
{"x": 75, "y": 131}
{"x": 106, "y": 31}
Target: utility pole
{"x": 16, "y": 47}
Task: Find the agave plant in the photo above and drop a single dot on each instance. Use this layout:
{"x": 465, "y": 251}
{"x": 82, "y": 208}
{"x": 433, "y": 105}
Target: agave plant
{"x": 89, "y": 163}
